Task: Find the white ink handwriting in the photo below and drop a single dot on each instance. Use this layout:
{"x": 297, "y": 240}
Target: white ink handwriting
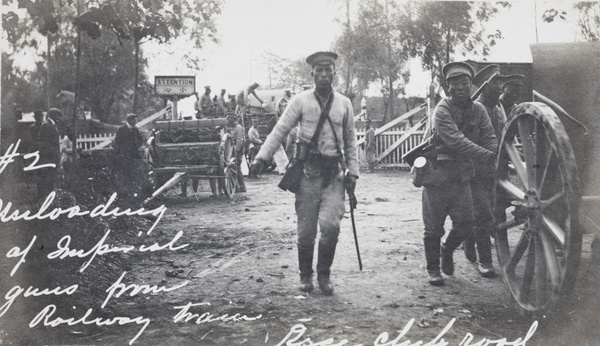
{"x": 14, "y": 292}
{"x": 297, "y": 331}
{"x": 206, "y": 317}
{"x": 135, "y": 289}
{"x": 101, "y": 210}
{"x": 47, "y": 313}
{"x": 12, "y": 152}
{"x": 16, "y": 252}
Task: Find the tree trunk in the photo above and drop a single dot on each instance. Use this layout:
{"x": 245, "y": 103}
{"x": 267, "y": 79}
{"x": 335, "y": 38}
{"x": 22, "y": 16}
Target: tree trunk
{"x": 48, "y": 73}
{"x": 135, "y": 86}
{"x": 391, "y": 103}
{"x": 448, "y": 45}
{"x": 76, "y": 103}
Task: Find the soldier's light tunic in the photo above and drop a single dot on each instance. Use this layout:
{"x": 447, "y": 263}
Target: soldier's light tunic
{"x": 304, "y": 110}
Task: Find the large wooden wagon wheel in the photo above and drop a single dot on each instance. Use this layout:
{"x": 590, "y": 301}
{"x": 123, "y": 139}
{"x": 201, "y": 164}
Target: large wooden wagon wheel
{"x": 536, "y": 208}
{"x": 227, "y": 166}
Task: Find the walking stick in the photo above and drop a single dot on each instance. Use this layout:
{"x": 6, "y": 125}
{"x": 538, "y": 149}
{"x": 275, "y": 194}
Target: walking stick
{"x": 352, "y": 199}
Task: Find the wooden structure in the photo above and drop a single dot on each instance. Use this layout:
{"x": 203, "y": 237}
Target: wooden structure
{"x": 393, "y": 141}
{"x": 547, "y": 189}
{"x": 191, "y": 149}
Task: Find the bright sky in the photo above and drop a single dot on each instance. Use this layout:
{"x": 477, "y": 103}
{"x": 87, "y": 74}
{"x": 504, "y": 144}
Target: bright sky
{"x": 295, "y": 28}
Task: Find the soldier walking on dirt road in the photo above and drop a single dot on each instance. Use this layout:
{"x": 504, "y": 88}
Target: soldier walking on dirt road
{"x": 320, "y": 197}
{"x": 464, "y": 133}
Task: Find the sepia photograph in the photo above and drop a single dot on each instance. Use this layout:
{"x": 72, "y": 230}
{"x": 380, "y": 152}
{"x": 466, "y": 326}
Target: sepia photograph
{"x": 300, "y": 172}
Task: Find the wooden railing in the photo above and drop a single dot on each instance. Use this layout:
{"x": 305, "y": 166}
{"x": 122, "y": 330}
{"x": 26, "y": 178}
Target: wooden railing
{"x": 90, "y": 141}
{"x": 386, "y": 140}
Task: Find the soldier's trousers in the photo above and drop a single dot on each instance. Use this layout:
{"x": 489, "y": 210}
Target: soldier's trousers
{"x": 452, "y": 199}
{"x": 321, "y": 207}
{"x": 484, "y": 224}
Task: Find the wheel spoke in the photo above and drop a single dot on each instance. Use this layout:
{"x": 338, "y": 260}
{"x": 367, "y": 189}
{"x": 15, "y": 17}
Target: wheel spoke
{"x": 540, "y": 272}
{"x": 512, "y": 189}
{"x": 510, "y": 224}
{"x": 528, "y": 273}
{"x": 551, "y": 259}
{"x": 547, "y": 166}
{"x": 546, "y": 202}
{"x": 557, "y": 232}
{"x": 519, "y": 165}
{"x": 529, "y": 152}
{"x": 518, "y": 254}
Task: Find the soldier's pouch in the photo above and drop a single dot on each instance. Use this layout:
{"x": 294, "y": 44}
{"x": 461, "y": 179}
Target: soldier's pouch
{"x": 431, "y": 174}
{"x": 291, "y": 179}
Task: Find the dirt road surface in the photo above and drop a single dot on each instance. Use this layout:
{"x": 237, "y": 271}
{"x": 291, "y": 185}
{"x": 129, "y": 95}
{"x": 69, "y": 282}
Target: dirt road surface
{"x": 237, "y": 279}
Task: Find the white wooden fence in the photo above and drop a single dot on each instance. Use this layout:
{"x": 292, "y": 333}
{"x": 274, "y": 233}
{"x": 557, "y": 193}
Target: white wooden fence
{"x": 384, "y": 141}
{"x": 89, "y": 141}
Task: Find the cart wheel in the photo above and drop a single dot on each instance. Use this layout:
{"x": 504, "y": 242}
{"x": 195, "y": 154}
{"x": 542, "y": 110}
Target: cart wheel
{"x": 229, "y": 170}
{"x": 536, "y": 207}
{"x": 230, "y": 180}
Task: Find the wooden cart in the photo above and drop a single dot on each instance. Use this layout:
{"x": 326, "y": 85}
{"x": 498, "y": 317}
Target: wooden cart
{"x": 194, "y": 149}
{"x": 547, "y": 185}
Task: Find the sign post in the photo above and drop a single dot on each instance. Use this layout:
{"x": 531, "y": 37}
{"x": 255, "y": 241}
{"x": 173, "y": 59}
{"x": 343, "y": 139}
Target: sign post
{"x": 175, "y": 87}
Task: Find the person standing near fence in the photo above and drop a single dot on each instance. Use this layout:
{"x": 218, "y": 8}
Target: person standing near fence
{"x": 320, "y": 198}
{"x": 49, "y": 152}
{"x": 463, "y": 134}
{"x": 370, "y": 148}
{"x": 127, "y": 144}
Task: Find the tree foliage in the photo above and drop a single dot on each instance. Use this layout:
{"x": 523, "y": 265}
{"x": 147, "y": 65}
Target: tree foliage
{"x": 442, "y": 31}
{"x": 285, "y": 73}
{"x": 374, "y": 49}
{"x": 113, "y": 31}
{"x": 588, "y": 18}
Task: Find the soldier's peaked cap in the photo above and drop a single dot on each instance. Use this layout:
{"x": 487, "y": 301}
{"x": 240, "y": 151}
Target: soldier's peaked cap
{"x": 131, "y": 115}
{"x": 457, "y": 68}
{"x": 517, "y": 79}
{"x": 321, "y": 57}
{"x": 485, "y": 73}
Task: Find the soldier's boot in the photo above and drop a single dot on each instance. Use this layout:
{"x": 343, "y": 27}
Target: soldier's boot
{"x": 484, "y": 250}
{"x": 305, "y": 259}
{"x": 432, "y": 257}
{"x": 452, "y": 242}
{"x": 326, "y": 254}
{"x": 469, "y": 248}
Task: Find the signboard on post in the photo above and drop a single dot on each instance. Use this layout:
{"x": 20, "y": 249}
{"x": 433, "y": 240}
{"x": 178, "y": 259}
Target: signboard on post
{"x": 175, "y": 85}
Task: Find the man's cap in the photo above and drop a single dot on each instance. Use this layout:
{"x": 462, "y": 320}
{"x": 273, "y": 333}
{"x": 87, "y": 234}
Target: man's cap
{"x": 231, "y": 117}
{"x": 516, "y": 79}
{"x": 54, "y": 112}
{"x": 223, "y": 90}
{"x": 38, "y": 113}
{"x": 485, "y": 73}
{"x": 207, "y": 87}
{"x": 321, "y": 57}
{"x": 131, "y": 115}
{"x": 457, "y": 68}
